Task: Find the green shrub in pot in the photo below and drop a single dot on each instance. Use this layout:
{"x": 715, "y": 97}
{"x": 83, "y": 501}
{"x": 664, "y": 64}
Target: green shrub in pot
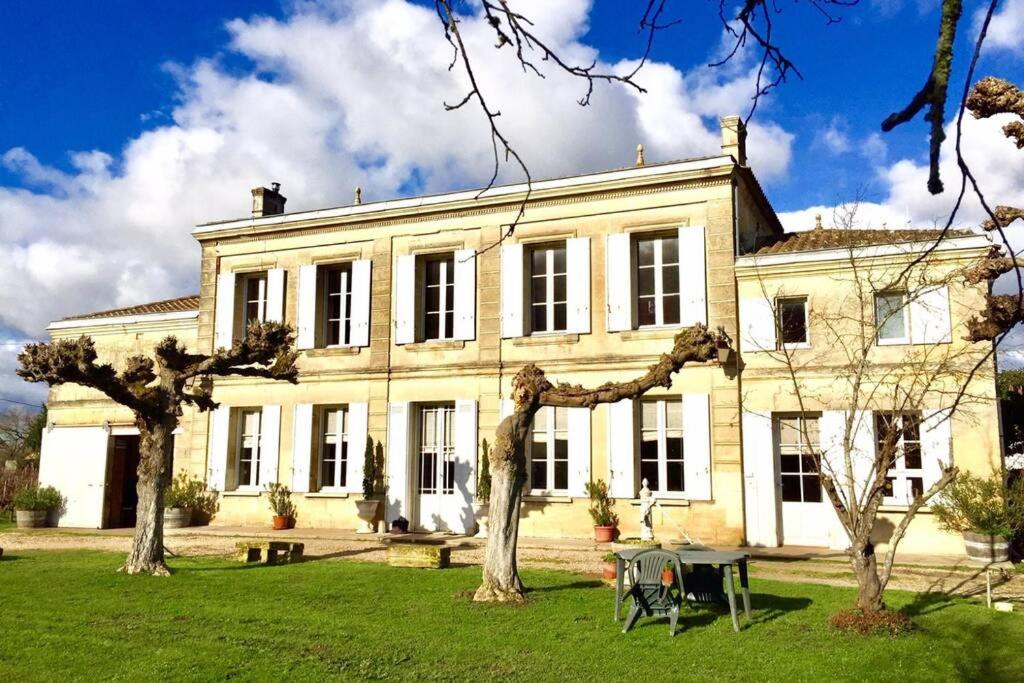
{"x": 986, "y": 510}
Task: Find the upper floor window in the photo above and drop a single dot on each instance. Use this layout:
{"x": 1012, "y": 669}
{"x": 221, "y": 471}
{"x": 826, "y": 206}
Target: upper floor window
{"x": 657, "y": 277}
{"x": 799, "y": 456}
{"x": 891, "y": 317}
{"x": 898, "y": 438}
{"x": 249, "y": 447}
{"x": 548, "y": 298}
{"x": 661, "y": 445}
{"x": 791, "y": 315}
{"x": 549, "y": 450}
{"x": 253, "y": 288}
{"x": 334, "y": 456}
{"x": 439, "y": 298}
{"x": 338, "y": 305}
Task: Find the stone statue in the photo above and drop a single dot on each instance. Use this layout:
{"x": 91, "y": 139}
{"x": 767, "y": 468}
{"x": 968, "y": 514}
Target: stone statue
{"x": 647, "y": 502}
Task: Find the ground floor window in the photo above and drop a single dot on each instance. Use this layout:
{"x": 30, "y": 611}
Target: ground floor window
{"x": 549, "y": 451}
{"x": 661, "y": 445}
{"x": 334, "y": 448}
{"x": 898, "y": 439}
{"x": 799, "y": 458}
{"x": 248, "y": 440}
{"x": 436, "y": 450}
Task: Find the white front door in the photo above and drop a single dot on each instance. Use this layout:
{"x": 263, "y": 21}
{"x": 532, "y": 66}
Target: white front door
{"x": 438, "y": 506}
{"x": 807, "y": 515}
{"x": 74, "y": 461}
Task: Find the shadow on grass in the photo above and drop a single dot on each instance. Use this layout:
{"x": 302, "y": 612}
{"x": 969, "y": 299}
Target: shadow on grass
{"x": 572, "y": 585}
{"x": 340, "y": 553}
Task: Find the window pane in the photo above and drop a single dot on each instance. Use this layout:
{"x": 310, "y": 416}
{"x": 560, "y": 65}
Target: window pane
{"x": 645, "y": 252}
{"x": 539, "y": 321}
{"x": 789, "y": 463}
{"x": 433, "y": 272}
{"x": 559, "y": 256}
{"x": 793, "y": 321}
{"x": 916, "y": 486}
{"x": 539, "y": 261}
{"x": 912, "y": 456}
{"x": 559, "y": 288}
{"x": 791, "y": 489}
{"x": 449, "y": 325}
{"x": 645, "y": 312}
{"x": 670, "y": 250}
{"x": 674, "y": 413}
{"x": 560, "y": 317}
{"x": 432, "y": 326}
{"x": 561, "y": 419}
{"x": 561, "y": 449}
{"x": 674, "y": 449}
{"x": 540, "y": 289}
{"x": 674, "y": 474}
{"x": 811, "y": 432}
{"x": 432, "y": 300}
{"x": 671, "y": 309}
{"x": 245, "y": 470}
{"x": 645, "y": 281}
{"x": 649, "y": 471}
{"x": 812, "y": 489}
{"x": 809, "y": 463}
{"x": 649, "y": 414}
{"x": 789, "y": 431}
{"x": 539, "y": 474}
{"x": 889, "y": 312}
{"x": 561, "y": 475}
{"x": 327, "y": 471}
{"x": 670, "y": 279}
{"x": 540, "y": 420}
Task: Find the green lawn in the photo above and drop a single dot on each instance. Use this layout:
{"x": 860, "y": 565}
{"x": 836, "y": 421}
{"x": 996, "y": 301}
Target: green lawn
{"x": 69, "y": 615}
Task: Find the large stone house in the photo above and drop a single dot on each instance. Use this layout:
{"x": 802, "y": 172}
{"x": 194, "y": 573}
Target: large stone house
{"x": 413, "y": 315}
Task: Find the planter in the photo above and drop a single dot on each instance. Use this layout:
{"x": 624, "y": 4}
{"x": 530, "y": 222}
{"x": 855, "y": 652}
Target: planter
{"x": 367, "y": 511}
{"x": 177, "y": 518}
{"x": 633, "y": 544}
{"x": 30, "y": 519}
{"x": 52, "y": 517}
{"x": 604, "y": 534}
{"x": 985, "y": 547}
{"x": 281, "y": 522}
{"x": 480, "y": 512}
{"x": 608, "y": 572}
{"x": 668, "y": 577}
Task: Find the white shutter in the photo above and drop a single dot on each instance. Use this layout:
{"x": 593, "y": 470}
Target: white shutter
{"x": 357, "y": 432}
{"x": 465, "y": 452}
{"x": 579, "y": 450}
{"x": 692, "y": 276}
{"x": 465, "y": 294}
{"x": 618, "y": 282}
{"x": 405, "y": 299}
{"x": 621, "y": 450}
{"x": 512, "y": 287}
{"x": 929, "y": 316}
{"x": 224, "y": 325}
{"x": 697, "y": 445}
{"x": 360, "y": 313}
{"x": 275, "y": 296}
{"x": 398, "y": 460}
{"x": 506, "y": 408}
{"x": 757, "y": 325}
{"x": 936, "y": 445}
{"x": 270, "y": 443}
{"x": 577, "y": 260}
{"x": 302, "y": 447}
{"x": 305, "y": 337}
{"x": 760, "y": 487}
{"x": 831, "y": 429}
{"x": 74, "y": 461}
{"x": 220, "y": 435}
{"x": 863, "y": 450}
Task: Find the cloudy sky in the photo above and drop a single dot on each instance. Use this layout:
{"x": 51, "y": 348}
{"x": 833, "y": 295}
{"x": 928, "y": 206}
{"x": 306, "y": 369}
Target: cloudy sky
{"x": 122, "y": 129}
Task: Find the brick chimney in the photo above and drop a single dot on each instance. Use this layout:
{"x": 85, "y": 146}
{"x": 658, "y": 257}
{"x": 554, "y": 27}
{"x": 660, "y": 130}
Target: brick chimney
{"x": 267, "y": 202}
{"x": 734, "y": 138}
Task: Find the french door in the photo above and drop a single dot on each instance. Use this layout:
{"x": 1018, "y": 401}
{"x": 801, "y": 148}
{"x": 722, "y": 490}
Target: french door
{"x": 437, "y": 505}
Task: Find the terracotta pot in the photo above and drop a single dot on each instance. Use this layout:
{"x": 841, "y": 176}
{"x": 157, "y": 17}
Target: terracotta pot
{"x": 668, "y": 577}
{"x": 281, "y": 522}
{"x": 604, "y": 534}
{"x": 608, "y": 571}
{"x": 986, "y": 548}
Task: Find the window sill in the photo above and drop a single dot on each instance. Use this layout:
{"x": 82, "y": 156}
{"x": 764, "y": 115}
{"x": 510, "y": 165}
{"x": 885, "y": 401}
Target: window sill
{"x": 438, "y": 345}
{"x": 796, "y": 347}
{"x": 663, "y": 332}
{"x": 545, "y": 339}
{"x": 667, "y": 502}
{"x": 540, "y": 498}
{"x": 901, "y": 507}
{"x": 892, "y": 342}
{"x": 328, "y": 494}
{"x": 334, "y": 351}
{"x": 242, "y": 493}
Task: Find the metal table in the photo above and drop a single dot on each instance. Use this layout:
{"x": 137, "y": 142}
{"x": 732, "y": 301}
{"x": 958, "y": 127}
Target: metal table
{"x": 722, "y": 560}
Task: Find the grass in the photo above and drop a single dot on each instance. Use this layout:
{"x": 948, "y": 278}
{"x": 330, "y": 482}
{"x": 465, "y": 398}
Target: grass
{"x": 69, "y": 615}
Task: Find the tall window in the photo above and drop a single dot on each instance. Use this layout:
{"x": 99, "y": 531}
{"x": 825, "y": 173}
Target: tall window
{"x": 891, "y": 316}
{"x": 799, "y": 455}
{"x": 254, "y": 299}
{"x": 548, "y": 289}
{"x": 249, "y": 447}
{"x": 899, "y": 437}
{"x": 661, "y": 445}
{"x": 792, "y": 320}
{"x": 657, "y": 260}
{"x": 338, "y": 305}
{"x": 549, "y": 450}
{"x": 437, "y": 450}
{"x": 439, "y": 298}
{"x": 334, "y": 449}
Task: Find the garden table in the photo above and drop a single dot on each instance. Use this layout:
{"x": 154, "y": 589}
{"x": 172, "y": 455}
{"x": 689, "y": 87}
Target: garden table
{"x": 722, "y": 560}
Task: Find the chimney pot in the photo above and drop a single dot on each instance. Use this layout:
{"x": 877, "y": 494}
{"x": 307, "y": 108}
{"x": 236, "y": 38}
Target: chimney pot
{"x": 734, "y": 138}
{"x": 267, "y": 202}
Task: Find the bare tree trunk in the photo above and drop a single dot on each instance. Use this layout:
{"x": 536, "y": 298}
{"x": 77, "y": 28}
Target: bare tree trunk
{"x": 156, "y": 451}
{"x": 501, "y": 582}
{"x": 869, "y": 587}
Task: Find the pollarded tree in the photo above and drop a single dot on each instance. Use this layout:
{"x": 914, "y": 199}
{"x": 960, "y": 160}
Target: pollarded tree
{"x": 154, "y": 389}
{"x": 531, "y": 390}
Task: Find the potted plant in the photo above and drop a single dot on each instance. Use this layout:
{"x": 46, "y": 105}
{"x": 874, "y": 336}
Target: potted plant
{"x": 985, "y": 510}
{"x": 31, "y": 505}
{"x": 608, "y": 568}
{"x": 482, "y": 502}
{"x": 668, "y": 574}
{"x": 605, "y": 519}
{"x": 53, "y": 502}
{"x": 280, "y": 498}
{"x": 367, "y": 506}
{"x": 180, "y": 499}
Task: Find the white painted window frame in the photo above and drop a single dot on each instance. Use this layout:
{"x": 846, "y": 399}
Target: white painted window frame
{"x": 902, "y": 475}
{"x": 549, "y": 301}
{"x": 551, "y": 432}
{"x": 344, "y": 310}
{"x": 443, "y": 450}
{"x": 905, "y": 311}
{"x": 447, "y": 277}
{"x": 803, "y": 449}
{"x": 257, "y": 449}
{"x": 340, "y": 440}
{"x": 659, "y": 281}
{"x": 246, "y": 280}
{"x": 661, "y": 428}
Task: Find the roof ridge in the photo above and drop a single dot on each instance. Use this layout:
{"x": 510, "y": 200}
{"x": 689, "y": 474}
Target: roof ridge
{"x": 177, "y": 304}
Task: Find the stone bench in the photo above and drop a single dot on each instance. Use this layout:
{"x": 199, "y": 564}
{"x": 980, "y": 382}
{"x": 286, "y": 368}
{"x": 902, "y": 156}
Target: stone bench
{"x": 269, "y": 552}
{"x": 421, "y": 554}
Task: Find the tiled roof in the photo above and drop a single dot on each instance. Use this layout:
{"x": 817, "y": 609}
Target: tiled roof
{"x": 182, "y": 304}
{"x": 835, "y": 238}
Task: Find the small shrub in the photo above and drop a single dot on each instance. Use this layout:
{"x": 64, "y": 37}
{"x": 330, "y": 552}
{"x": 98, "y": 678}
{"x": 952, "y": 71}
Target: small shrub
{"x": 984, "y": 505}
{"x": 368, "y": 469}
{"x": 51, "y": 498}
{"x": 881, "y": 623}
{"x": 483, "y": 485}
{"x": 36, "y": 499}
{"x": 610, "y": 557}
{"x": 190, "y": 492}
{"x": 600, "y": 504}
{"x": 280, "y": 499}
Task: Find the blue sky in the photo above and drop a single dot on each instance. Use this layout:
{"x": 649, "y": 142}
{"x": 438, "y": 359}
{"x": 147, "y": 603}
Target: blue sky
{"x": 122, "y": 124}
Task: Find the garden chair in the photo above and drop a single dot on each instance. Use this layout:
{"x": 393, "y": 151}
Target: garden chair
{"x": 651, "y": 597}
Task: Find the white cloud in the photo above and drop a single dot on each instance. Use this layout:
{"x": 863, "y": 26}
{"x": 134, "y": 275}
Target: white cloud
{"x": 1006, "y": 29}
{"x": 834, "y": 137}
{"x": 341, "y": 93}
